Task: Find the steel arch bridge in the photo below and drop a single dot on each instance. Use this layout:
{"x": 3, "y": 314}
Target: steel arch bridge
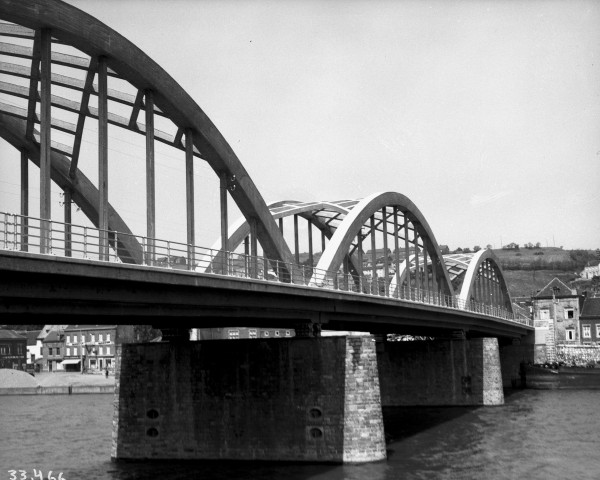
{"x": 65, "y": 72}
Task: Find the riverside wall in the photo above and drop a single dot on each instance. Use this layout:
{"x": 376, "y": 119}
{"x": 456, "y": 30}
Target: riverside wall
{"x": 578, "y": 354}
{"x": 58, "y": 390}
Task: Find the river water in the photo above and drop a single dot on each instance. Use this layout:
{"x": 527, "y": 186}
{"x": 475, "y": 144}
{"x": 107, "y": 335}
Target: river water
{"x": 537, "y": 434}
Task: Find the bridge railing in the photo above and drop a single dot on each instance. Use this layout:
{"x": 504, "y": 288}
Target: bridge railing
{"x": 22, "y": 233}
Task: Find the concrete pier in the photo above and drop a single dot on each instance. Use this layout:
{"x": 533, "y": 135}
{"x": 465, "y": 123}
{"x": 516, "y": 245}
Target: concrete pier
{"x": 301, "y": 399}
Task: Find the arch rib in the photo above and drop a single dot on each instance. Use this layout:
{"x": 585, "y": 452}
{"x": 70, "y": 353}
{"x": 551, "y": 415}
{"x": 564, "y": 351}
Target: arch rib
{"x": 467, "y": 289}
{"x": 342, "y": 239}
{"x": 241, "y": 228}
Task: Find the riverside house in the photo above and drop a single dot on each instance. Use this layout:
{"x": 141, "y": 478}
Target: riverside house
{"x": 94, "y": 345}
{"x": 590, "y": 321}
{"x": 53, "y": 350}
{"x": 13, "y": 350}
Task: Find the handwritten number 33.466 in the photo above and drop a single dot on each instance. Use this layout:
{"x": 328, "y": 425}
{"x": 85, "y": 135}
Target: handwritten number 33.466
{"x": 37, "y": 474}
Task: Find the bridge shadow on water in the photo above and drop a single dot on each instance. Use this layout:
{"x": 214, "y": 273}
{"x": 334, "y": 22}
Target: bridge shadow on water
{"x": 401, "y": 423}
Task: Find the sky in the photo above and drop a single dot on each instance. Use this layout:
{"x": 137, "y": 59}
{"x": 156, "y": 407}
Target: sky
{"x": 486, "y": 114}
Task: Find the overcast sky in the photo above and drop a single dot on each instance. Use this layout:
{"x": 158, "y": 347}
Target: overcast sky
{"x": 486, "y": 114}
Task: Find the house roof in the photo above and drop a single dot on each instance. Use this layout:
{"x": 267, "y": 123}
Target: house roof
{"x": 32, "y": 336}
{"x": 11, "y": 335}
{"x": 77, "y": 328}
{"x": 48, "y": 328}
{"x": 53, "y": 336}
{"x": 591, "y": 307}
{"x": 379, "y": 252}
{"x": 555, "y": 288}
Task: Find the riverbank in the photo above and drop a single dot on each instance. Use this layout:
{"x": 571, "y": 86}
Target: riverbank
{"x": 562, "y": 378}
{"x": 15, "y": 382}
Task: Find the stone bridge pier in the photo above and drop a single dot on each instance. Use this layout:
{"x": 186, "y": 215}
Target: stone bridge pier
{"x": 299, "y": 399}
{"x": 314, "y": 399}
{"x": 440, "y": 372}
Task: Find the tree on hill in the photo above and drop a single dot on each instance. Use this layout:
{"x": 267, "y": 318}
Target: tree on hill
{"x": 581, "y": 258}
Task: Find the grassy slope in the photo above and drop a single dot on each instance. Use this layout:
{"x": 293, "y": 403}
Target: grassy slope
{"x": 522, "y": 283}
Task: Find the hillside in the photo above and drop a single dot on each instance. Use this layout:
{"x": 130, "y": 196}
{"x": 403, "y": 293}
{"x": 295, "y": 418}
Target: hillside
{"x": 528, "y": 270}
{"x": 524, "y": 283}
{"x": 548, "y": 258}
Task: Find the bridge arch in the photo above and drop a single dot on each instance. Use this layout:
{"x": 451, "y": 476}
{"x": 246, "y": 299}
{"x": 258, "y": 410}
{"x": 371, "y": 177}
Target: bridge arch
{"x": 108, "y": 54}
{"x": 384, "y": 212}
{"x": 478, "y": 277}
{"x": 324, "y": 215}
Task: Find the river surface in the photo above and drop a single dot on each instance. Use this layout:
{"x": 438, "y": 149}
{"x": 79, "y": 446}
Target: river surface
{"x": 537, "y": 434}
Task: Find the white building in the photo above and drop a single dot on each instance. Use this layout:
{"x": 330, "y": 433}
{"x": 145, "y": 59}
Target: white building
{"x": 590, "y": 272}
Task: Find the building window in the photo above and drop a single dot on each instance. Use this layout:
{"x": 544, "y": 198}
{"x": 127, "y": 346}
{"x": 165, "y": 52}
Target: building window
{"x": 93, "y": 335}
{"x": 4, "y": 349}
{"x": 287, "y": 333}
{"x": 49, "y": 350}
{"x": 570, "y": 333}
{"x": 587, "y": 331}
{"x": 108, "y": 350}
{"x": 101, "y": 348}
{"x": 265, "y": 333}
{"x": 545, "y": 314}
{"x": 99, "y": 337}
{"x": 58, "y": 351}
{"x": 252, "y": 333}
{"x": 569, "y": 313}
{"x": 68, "y": 351}
{"x": 108, "y": 337}
{"x": 598, "y": 330}
{"x": 68, "y": 338}
{"x": 19, "y": 349}
{"x": 276, "y": 333}
{"x": 233, "y": 334}
{"x": 74, "y": 338}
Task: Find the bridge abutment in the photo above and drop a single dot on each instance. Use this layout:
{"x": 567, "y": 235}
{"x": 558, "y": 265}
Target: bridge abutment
{"x": 440, "y": 373}
{"x": 305, "y": 399}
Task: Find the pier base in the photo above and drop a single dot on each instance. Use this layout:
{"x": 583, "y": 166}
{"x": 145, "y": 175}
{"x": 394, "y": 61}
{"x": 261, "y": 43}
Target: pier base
{"x": 440, "y": 373}
{"x": 305, "y": 399}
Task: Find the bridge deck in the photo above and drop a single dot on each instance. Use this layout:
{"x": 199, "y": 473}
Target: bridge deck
{"x": 50, "y": 286}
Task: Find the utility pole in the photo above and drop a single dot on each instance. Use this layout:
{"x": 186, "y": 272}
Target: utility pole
{"x": 81, "y": 350}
